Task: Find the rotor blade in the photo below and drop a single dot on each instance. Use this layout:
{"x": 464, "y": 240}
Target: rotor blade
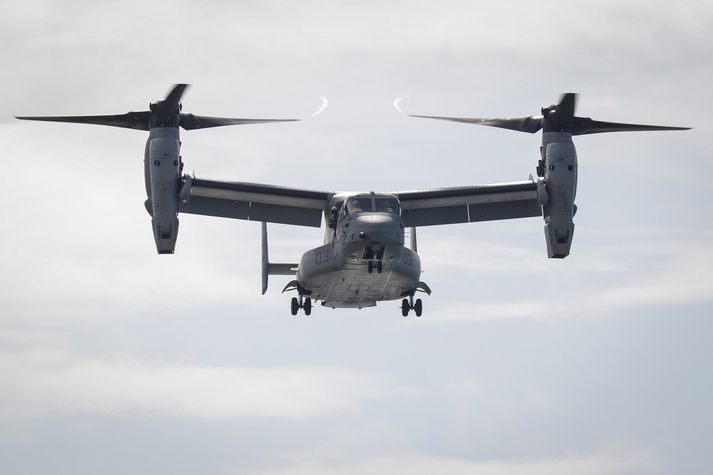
{"x": 585, "y": 125}
{"x": 191, "y": 122}
{"x": 130, "y": 120}
{"x": 521, "y": 124}
{"x": 174, "y": 97}
{"x": 166, "y": 108}
{"x": 567, "y": 104}
{"x": 560, "y": 116}
{"x": 322, "y": 107}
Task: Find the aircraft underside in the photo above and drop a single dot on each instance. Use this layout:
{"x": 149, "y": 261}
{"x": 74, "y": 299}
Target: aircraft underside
{"x": 353, "y": 286}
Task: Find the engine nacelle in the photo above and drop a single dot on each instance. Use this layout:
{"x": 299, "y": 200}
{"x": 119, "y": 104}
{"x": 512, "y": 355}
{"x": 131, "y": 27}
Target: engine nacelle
{"x": 561, "y": 183}
{"x": 163, "y": 176}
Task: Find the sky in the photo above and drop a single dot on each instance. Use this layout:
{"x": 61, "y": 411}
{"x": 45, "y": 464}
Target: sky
{"x": 114, "y": 359}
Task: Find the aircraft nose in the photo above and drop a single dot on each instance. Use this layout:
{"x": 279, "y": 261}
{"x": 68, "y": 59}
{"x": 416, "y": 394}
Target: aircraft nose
{"x": 376, "y": 227}
{"x": 374, "y": 218}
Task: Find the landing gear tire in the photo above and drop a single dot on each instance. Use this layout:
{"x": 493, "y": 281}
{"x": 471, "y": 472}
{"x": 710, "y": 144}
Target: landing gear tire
{"x": 294, "y": 306}
{"x": 379, "y": 267}
{"x": 418, "y": 307}
{"x": 307, "y": 306}
{"x": 370, "y": 267}
{"x": 408, "y": 304}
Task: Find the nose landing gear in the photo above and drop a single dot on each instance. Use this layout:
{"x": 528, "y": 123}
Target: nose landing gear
{"x": 374, "y": 254}
{"x": 375, "y": 264}
{"x": 303, "y": 303}
{"x": 408, "y": 304}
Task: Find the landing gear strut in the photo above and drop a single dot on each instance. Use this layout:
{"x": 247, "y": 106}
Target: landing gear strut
{"x": 408, "y": 304}
{"x": 303, "y": 303}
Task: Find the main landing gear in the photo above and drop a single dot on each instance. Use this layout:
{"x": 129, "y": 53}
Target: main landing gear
{"x": 408, "y": 304}
{"x": 303, "y": 303}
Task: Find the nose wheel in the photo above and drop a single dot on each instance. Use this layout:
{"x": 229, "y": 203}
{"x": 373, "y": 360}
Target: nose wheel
{"x": 374, "y": 254}
{"x": 301, "y": 303}
{"x": 378, "y": 265}
{"x": 408, "y": 304}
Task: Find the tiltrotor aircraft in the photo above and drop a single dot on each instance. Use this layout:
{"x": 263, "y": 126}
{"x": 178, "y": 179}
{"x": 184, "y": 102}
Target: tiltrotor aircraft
{"x": 364, "y": 259}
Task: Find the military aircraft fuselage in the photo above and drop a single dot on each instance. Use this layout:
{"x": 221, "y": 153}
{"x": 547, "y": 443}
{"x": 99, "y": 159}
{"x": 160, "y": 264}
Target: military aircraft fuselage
{"x": 363, "y": 259}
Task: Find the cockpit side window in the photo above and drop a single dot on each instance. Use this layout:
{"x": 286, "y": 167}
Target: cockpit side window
{"x": 387, "y": 205}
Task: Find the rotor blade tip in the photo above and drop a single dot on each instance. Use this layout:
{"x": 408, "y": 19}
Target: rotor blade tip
{"x": 322, "y": 106}
{"x": 397, "y": 105}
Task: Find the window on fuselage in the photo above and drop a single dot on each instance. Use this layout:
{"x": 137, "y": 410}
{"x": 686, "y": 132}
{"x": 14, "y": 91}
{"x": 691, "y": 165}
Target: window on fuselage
{"x": 357, "y": 205}
{"x": 387, "y": 205}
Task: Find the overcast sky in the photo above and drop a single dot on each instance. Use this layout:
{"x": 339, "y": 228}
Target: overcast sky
{"x": 115, "y": 360}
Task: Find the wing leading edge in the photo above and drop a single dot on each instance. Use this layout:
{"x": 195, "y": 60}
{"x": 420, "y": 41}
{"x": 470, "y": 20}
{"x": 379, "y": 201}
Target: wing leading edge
{"x": 469, "y": 204}
{"x": 255, "y": 202}
{"x": 276, "y": 204}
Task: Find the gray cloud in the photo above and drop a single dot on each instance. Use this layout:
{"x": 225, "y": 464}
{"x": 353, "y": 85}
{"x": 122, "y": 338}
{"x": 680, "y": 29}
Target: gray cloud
{"x": 416, "y": 465}
{"x": 118, "y": 360}
{"x": 80, "y": 385}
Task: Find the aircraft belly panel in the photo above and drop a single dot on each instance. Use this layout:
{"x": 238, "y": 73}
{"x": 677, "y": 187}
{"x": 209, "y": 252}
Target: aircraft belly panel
{"x": 352, "y": 286}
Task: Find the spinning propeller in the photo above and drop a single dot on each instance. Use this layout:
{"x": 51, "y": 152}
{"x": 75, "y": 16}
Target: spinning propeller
{"x": 165, "y": 113}
{"x": 555, "y": 118}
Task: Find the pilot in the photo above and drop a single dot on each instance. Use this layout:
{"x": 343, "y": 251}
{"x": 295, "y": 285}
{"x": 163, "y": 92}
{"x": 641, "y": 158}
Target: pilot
{"x": 356, "y": 206}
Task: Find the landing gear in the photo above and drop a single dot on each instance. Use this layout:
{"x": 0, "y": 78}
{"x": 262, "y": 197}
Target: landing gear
{"x": 408, "y": 304}
{"x": 303, "y": 303}
{"x": 370, "y": 266}
{"x": 418, "y": 307}
{"x": 405, "y": 307}
{"x": 374, "y": 254}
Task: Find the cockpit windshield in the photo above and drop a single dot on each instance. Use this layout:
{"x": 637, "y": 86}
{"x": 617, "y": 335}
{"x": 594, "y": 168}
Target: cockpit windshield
{"x": 387, "y": 205}
{"x": 357, "y": 205}
{"x": 379, "y": 204}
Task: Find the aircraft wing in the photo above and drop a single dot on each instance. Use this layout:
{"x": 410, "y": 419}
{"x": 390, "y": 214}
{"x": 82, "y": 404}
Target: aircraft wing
{"x": 253, "y": 202}
{"x": 469, "y": 204}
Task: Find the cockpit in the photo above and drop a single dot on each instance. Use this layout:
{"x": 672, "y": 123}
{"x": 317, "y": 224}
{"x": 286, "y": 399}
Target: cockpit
{"x": 373, "y": 204}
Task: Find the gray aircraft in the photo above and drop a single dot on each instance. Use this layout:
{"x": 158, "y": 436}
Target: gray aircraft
{"x": 363, "y": 259}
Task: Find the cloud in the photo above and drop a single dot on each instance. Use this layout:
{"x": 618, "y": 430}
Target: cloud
{"x": 39, "y": 383}
{"x": 79, "y": 261}
{"x": 615, "y": 277}
{"x": 410, "y": 464}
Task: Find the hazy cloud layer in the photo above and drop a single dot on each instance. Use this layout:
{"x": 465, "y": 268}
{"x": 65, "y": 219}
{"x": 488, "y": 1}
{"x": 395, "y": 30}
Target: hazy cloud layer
{"x": 676, "y": 273}
{"x": 417, "y": 465}
{"x": 42, "y": 382}
{"x": 116, "y": 360}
